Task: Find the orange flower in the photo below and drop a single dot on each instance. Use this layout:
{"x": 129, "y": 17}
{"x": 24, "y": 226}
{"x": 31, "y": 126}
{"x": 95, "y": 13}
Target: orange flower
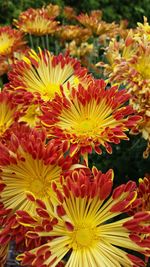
{"x": 10, "y": 40}
{"x": 89, "y": 117}
{"x": 53, "y": 10}
{"x": 69, "y": 13}
{"x": 95, "y": 24}
{"x": 36, "y": 22}
{"x": 44, "y": 74}
{"x": 85, "y": 226}
{"x": 73, "y": 32}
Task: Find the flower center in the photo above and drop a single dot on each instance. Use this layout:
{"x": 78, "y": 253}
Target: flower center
{"x": 50, "y": 90}
{"x": 37, "y": 187}
{"x": 31, "y": 116}
{"x": 29, "y": 176}
{"x": 6, "y": 44}
{"x": 83, "y": 237}
{"x": 143, "y": 67}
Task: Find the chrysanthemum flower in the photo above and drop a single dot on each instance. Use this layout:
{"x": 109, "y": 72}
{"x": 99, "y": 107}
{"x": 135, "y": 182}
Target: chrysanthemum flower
{"x": 91, "y": 117}
{"x": 73, "y": 32}
{"x": 4, "y": 66}
{"x": 143, "y": 28}
{"x": 95, "y": 24}
{"x": 53, "y": 10}
{"x": 87, "y": 229}
{"x": 10, "y": 40}
{"x": 80, "y": 51}
{"x": 44, "y": 74}
{"x": 8, "y": 113}
{"x": 69, "y": 12}
{"x": 144, "y": 193}
{"x": 36, "y": 22}
{"x": 28, "y": 167}
{"x": 129, "y": 64}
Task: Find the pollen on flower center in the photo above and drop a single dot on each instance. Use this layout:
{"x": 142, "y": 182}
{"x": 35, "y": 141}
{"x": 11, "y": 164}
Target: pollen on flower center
{"x": 86, "y": 125}
{"x": 5, "y": 43}
{"x": 37, "y": 187}
{"x": 50, "y": 90}
{"x": 143, "y": 67}
{"x": 83, "y": 237}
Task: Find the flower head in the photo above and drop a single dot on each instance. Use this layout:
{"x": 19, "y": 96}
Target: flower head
{"x": 53, "y": 10}
{"x": 143, "y": 28}
{"x": 28, "y": 166}
{"x": 84, "y": 227}
{"x": 36, "y": 22}
{"x": 44, "y": 74}
{"x": 69, "y": 12}
{"x": 10, "y": 40}
{"x": 80, "y": 51}
{"x": 89, "y": 118}
{"x": 73, "y": 32}
{"x": 143, "y": 192}
{"x": 94, "y": 23}
{"x": 8, "y": 112}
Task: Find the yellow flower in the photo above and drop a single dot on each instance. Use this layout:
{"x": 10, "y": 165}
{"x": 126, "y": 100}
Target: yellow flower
{"x": 8, "y": 113}
{"x": 85, "y": 227}
{"x": 10, "y": 40}
{"x": 36, "y": 22}
{"x": 44, "y": 74}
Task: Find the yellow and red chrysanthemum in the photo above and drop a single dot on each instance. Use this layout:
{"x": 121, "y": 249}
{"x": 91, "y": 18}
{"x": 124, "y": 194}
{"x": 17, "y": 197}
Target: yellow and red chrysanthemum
{"x": 9, "y": 113}
{"x": 144, "y": 193}
{"x": 90, "y": 117}
{"x": 28, "y": 167}
{"x": 94, "y": 23}
{"x": 36, "y": 22}
{"x": 129, "y": 64}
{"x": 44, "y": 74}
{"x": 85, "y": 226}
{"x": 80, "y": 51}
{"x": 143, "y": 29}
{"x": 10, "y": 40}
{"x": 73, "y": 32}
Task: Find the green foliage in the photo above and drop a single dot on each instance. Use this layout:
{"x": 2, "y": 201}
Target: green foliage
{"x": 126, "y": 160}
{"x": 113, "y": 10}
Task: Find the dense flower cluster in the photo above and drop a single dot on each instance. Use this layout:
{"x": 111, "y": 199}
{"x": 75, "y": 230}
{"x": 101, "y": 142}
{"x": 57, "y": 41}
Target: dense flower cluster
{"x": 129, "y": 64}
{"x": 55, "y": 208}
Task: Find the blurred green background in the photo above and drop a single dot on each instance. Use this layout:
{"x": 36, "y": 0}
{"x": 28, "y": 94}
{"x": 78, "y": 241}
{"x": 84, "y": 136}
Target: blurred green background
{"x": 113, "y": 10}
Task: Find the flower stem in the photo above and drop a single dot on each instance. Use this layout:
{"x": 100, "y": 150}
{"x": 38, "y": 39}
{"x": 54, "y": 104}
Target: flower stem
{"x": 31, "y": 41}
{"x": 43, "y": 42}
{"x": 47, "y": 42}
